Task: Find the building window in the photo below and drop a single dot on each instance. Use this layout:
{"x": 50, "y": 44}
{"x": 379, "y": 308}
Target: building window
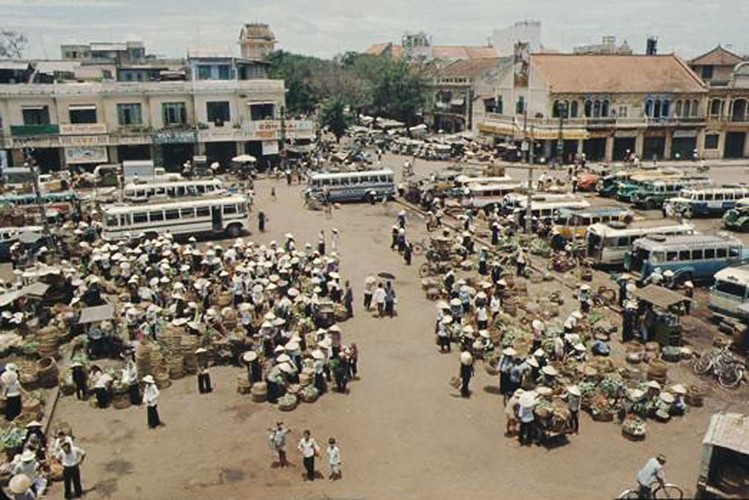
{"x": 573, "y": 109}
{"x": 174, "y": 113}
{"x": 35, "y": 115}
{"x": 711, "y": 141}
{"x": 596, "y": 108}
{"x": 695, "y": 107}
{"x": 520, "y": 105}
{"x": 261, "y": 111}
{"x": 605, "y": 108}
{"x": 588, "y": 108}
{"x": 82, "y": 114}
{"x": 224, "y": 72}
{"x": 665, "y": 108}
{"x": 622, "y": 112}
{"x": 678, "y": 110}
{"x": 715, "y": 107}
{"x": 218, "y": 112}
{"x": 129, "y": 114}
{"x": 649, "y": 108}
{"x": 204, "y": 72}
{"x": 707, "y": 72}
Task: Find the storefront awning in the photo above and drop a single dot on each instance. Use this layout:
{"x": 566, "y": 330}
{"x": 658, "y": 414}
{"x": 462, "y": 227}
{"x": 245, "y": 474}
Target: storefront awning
{"x": 96, "y": 313}
{"x": 537, "y": 133}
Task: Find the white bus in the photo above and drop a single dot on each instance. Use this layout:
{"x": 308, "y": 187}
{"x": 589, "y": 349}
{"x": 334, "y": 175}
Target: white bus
{"x": 197, "y": 187}
{"x": 708, "y": 202}
{"x": 227, "y": 215}
{"x": 730, "y": 291}
{"x": 465, "y": 180}
{"x": 368, "y": 185}
{"x": 520, "y": 200}
{"x": 607, "y": 243}
{"x": 487, "y": 196}
{"x": 546, "y": 210}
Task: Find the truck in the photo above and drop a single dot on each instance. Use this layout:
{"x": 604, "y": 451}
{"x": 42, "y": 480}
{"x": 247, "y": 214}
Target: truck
{"x": 143, "y": 169}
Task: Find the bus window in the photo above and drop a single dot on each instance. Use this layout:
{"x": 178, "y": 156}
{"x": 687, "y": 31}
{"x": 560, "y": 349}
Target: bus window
{"x": 140, "y": 218}
{"x": 684, "y": 255}
{"x": 180, "y": 191}
{"x": 172, "y": 214}
{"x": 203, "y": 211}
{"x": 125, "y": 219}
{"x": 187, "y": 213}
{"x": 708, "y": 196}
{"x": 156, "y": 216}
{"x": 722, "y": 252}
{"x": 709, "y": 253}
{"x": 623, "y": 242}
{"x": 230, "y": 209}
{"x": 113, "y": 220}
{"x": 698, "y": 254}
{"x": 243, "y": 208}
{"x": 671, "y": 256}
{"x": 170, "y": 191}
{"x": 191, "y": 191}
{"x": 200, "y": 188}
{"x": 718, "y": 196}
{"x": 734, "y": 252}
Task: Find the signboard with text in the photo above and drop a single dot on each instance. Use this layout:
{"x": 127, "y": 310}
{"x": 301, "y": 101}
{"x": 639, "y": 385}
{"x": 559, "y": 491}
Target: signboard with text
{"x": 93, "y": 154}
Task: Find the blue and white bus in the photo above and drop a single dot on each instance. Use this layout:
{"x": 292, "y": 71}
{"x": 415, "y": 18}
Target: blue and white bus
{"x": 730, "y": 292}
{"x": 708, "y": 201}
{"x": 368, "y": 185}
{"x": 695, "y": 257}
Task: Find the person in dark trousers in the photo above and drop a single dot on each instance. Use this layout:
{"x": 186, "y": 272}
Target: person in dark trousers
{"x": 628, "y": 322}
{"x": 408, "y": 252}
{"x": 466, "y": 372}
{"x": 310, "y": 450}
{"x": 71, "y": 457}
{"x": 151, "y": 396}
{"x": 389, "y": 299}
{"x": 80, "y": 380}
{"x": 348, "y": 300}
{"x": 204, "y": 376}
{"x": 394, "y": 238}
{"x": 261, "y": 221}
{"x": 353, "y": 360}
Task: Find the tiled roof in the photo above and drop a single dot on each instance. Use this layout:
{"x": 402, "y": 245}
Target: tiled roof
{"x": 573, "y": 73}
{"x": 453, "y": 52}
{"x": 468, "y": 67}
{"x": 717, "y": 57}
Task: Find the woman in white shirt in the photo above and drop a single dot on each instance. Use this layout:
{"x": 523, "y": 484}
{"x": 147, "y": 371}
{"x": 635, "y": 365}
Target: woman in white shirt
{"x": 11, "y": 391}
{"x": 151, "y": 396}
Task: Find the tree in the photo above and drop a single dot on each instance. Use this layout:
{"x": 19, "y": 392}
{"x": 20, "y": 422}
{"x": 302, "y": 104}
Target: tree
{"x": 334, "y": 115}
{"x": 12, "y": 43}
{"x": 400, "y": 91}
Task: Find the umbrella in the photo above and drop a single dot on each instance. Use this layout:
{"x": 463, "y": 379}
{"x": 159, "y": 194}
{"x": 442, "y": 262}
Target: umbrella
{"x": 387, "y": 276}
{"x": 244, "y": 159}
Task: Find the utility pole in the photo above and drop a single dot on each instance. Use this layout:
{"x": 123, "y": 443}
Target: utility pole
{"x": 528, "y": 212}
{"x": 282, "y": 153}
{"x": 562, "y": 109}
{"x": 31, "y": 163}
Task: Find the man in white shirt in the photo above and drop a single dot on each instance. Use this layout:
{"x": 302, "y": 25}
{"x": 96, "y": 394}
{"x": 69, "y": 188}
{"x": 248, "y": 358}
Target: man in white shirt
{"x": 278, "y": 442}
{"x": 652, "y": 472}
{"x": 71, "y": 457}
{"x": 379, "y": 300}
{"x": 310, "y": 450}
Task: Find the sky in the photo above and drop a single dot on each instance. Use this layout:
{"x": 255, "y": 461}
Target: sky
{"x": 328, "y": 27}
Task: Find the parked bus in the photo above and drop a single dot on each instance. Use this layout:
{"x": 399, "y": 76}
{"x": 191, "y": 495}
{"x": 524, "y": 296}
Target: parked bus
{"x": 466, "y": 180}
{"x": 730, "y": 291}
{"x": 368, "y": 185}
{"x": 58, "y": 201}
{"x": 572, "y": 224}
{"x": 695, "y": 257}
{"x": 710, "y": 201}
{"x": 652, "y": 194}
{"x": 227, "y": 215}
{"x": 520, "y": 200}
{"x": 738, "y": 218}
{"x": 607, "y": 244}
{"x": 610, "y": 184}
{"x": 197, "y": 187}
{"x": 545, "y": 211}
{"x": 487, "y": 196}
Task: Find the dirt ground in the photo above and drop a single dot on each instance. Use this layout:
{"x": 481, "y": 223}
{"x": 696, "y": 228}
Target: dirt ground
{"x": 403, "y": 432}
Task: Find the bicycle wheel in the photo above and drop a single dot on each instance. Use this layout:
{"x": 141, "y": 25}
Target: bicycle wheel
{"x": 730, "y": 377}
{"x": 629, "y": 495}
{"x": 703, "y": 365}
{"x": 424, "y": 271}
{"x": 670, "y": 491}
{"x": 418, "y": 248}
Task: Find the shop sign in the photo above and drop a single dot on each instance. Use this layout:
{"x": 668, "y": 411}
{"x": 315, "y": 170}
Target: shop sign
{"x": 174, "y": 137}
{"x": 270, "y": 148}
{"x": 92, "y": 154}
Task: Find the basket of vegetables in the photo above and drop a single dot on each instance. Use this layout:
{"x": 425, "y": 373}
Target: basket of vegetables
{"x": 287, "y": 402}
{"x": 634, "y": 428}
{"x": 309, "y": 394}
{"x": 12, "y": 438}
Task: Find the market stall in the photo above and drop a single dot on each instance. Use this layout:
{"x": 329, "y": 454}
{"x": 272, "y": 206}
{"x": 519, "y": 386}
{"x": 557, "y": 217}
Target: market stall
{"x": 664, "y": 307}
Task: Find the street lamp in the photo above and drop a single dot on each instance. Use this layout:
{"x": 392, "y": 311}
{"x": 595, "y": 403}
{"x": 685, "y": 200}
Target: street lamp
{"x": 562, "y": 110}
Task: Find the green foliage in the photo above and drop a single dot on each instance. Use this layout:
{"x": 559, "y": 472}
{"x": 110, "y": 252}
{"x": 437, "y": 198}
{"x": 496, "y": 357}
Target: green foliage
{"x": 12, "y": 437}
{"x": 333, "y": 115}
{"x": 365, "y": 83}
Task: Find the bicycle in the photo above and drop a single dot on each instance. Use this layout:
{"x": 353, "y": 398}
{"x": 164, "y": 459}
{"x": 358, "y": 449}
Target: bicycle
{"x": 722, "y": 364}
{"x": 668, "y": 490}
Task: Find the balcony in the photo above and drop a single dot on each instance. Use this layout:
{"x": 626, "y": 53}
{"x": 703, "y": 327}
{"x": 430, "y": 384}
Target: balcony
{"x": 33, "y": 130}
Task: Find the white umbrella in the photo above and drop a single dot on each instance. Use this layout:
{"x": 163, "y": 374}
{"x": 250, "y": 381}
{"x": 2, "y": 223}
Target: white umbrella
{"x": 244, "y": 159}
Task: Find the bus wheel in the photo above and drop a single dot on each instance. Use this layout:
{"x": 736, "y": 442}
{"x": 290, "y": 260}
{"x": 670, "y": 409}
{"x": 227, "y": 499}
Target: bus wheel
{"x": 234, "y": 231}
{"x": 649, "y": 205}
{"x": 371, "y": 198}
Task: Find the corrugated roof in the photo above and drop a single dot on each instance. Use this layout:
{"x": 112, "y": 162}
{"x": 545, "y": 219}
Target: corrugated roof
{"x": 14, "y": 65}
{"x": 577, "y": 73}
{"x": 717, "y": 57}
{"x": 469, "y": 67}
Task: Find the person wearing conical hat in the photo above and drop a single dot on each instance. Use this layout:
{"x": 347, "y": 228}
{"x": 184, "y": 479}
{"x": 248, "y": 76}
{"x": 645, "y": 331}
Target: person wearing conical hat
{"x": 151, "y": 397}
{"x": 204, "y": 375}
{"x": 466, "y": 373}
{"x": 11, "y": 387}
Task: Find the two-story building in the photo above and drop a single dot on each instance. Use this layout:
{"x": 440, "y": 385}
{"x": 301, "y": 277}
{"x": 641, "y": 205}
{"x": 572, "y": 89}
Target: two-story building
{"x": 725, "y": 74}
{"x": 91, "y": 123}
{"x": 602, "y": 105}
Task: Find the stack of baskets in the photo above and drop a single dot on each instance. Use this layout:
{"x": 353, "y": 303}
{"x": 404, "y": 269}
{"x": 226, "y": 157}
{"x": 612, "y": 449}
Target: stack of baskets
{"x": 143, "y": 358}
{"x": 47, "y": 372}
{"x": 176, "y": 364}
{"x": 259, "y": 392}
{"x": 658, "y": 371}
{"x": 188, "y": 345}
{"x": 48, "y": 342}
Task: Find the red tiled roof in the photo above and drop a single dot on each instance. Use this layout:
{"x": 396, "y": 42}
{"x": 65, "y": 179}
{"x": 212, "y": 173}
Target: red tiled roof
{"x": 717, "y": 57}
{"x": 469, "y": 67}
{"x": 455, "y": 52}
{"x": 577, "y": 73}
